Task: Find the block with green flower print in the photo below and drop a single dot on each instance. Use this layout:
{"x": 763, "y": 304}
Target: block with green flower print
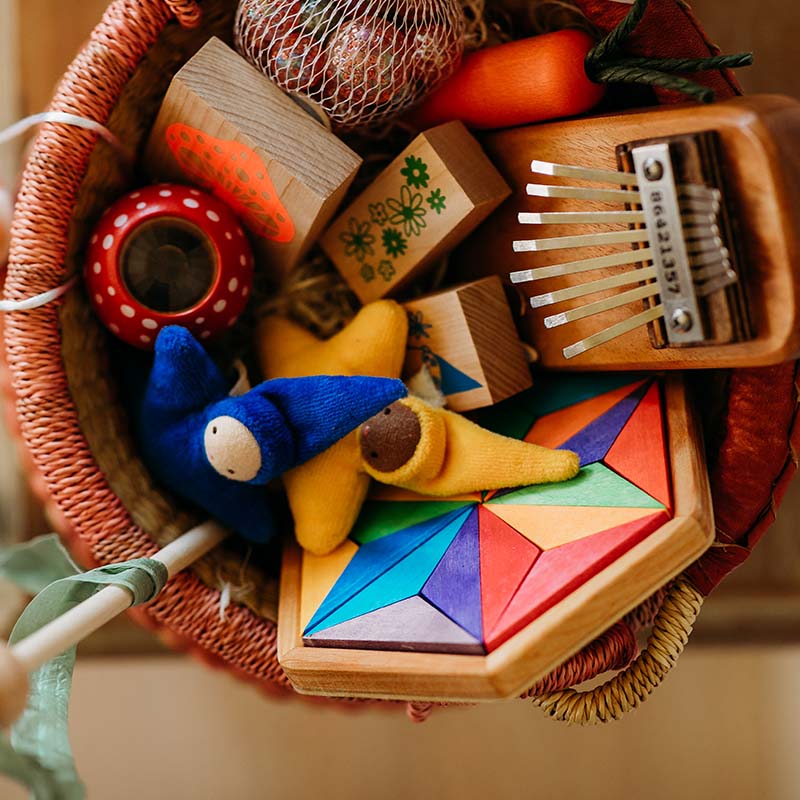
{"x": 430, "y": 198}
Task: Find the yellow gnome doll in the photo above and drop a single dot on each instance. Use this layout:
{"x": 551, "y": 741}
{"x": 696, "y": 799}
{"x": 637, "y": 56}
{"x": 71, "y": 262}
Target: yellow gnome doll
{"x": 411, "y": 444}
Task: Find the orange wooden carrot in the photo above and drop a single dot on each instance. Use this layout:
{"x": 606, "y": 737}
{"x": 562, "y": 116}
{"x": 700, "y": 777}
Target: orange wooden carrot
{"x": 515, "y": 84}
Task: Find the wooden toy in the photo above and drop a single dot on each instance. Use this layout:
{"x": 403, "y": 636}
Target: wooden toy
{"x": 425, "y": 202}
{"x": 545, "y": 79}
{"x": 227, "y": 128}
{"x": 467, "y": 339}
{"x": 476, "y": 597}
{"x": 168, "y": 255}
{"x": 670, "y": 246}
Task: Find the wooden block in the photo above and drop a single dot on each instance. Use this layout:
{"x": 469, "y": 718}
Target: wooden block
{"x": 558, "y": 572}
{"x": 506, "y": 558}
{"x": 320, "y": 573}
{"x": 595, "y": 485}
{"x": 412, "y": 624}
{"x": 553, "y": 526}
{"x": 403, "y": 580}
{"x": 467, "y": 339}
{"x": 556, "y": 428}
{"x": 640, "y": 454}
{"x": 455, "y": 585}
{"x": 224, "y": 126}
{"x": 595, "y": 440}
{"x": 423, "y": 204}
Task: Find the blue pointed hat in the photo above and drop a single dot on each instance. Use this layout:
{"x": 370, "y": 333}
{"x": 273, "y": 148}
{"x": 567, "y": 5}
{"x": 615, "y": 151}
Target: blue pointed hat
{"x": 295, "y": 419}
{"x": 291, "y": 419}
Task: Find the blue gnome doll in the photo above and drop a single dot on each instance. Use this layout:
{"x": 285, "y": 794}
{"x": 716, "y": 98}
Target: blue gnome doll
{"x": 219, "y": 451}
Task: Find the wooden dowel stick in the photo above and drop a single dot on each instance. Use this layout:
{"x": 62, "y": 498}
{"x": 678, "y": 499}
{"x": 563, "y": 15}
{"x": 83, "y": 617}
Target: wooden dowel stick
{"x": 76, "y": 624}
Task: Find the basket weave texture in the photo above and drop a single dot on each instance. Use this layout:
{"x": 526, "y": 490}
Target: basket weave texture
{"x": 82, "y": 458}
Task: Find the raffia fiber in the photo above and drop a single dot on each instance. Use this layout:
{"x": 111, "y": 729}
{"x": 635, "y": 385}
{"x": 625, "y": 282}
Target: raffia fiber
{"x": 104, "y": 501}
{"x": 628, "y": 689}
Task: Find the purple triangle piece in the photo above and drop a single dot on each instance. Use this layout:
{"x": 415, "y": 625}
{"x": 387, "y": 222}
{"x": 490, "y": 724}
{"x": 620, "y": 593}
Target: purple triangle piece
{"x": 455, "y": 585}
{"x": 593, "y": 442}
{"x": 412, "y": 624}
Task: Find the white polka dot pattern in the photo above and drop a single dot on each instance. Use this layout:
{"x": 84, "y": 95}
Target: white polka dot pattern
{"x": 125, "y": 314}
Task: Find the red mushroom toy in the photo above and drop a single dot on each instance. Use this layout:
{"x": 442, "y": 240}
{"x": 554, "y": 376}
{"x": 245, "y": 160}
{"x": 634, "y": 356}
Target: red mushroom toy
{"x": 168, "y": 255}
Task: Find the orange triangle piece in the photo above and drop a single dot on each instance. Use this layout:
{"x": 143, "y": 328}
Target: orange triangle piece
{"x": 319, "y": 574}
{"x": 559, "y": 572}
{"x": 506, "y": 558}
{"x": 639, "y": 453}
{"x": 553, "y": 526}
{"x": 554, "y": 429}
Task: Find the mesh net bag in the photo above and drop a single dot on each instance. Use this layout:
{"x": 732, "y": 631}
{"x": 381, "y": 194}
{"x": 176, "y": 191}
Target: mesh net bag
{"x": 361, "y": 61}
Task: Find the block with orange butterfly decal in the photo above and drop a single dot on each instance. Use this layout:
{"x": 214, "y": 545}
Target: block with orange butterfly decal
{"x": 225, "y": 127}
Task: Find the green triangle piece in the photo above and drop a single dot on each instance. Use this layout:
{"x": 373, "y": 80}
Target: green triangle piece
{"x": 595, "y": 485}
{"x": 379, "y": 518}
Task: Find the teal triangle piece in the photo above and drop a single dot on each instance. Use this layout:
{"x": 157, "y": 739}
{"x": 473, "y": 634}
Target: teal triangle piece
{"x": 403, "y": 580}
{"x": 595, "y": 485}
{"x": 551, "y": 392}
{"x": 380, "y": 518}
{"x": 375, "y": 558}
{"x": 555, "y": 391}
{"x": 453, "y": 380}
{"x": 513, "y": 417}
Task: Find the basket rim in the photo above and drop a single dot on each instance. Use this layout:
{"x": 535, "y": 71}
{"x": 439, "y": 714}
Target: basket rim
{"x": 66, "y": 475}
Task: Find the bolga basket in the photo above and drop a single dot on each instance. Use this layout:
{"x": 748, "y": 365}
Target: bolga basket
{"x": 103, "y": 501}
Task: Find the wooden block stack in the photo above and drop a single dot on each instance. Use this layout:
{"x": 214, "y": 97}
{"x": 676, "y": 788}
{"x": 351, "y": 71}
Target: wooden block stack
{"x": 227, "y": 128}
{"x": 467, "y": 339}
{"x": 424, "y": 203}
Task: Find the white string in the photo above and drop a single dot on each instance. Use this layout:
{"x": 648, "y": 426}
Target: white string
{"x": 38, "y": 300}
{"x": 24, "y": 125}
{"x": 18, "y": 129}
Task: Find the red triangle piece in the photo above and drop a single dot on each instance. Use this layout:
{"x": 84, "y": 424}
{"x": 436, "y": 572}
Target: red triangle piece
{"x": 639, "y": 453}
{"x": 506, "y": 558}
{"x": 559, "y": 572}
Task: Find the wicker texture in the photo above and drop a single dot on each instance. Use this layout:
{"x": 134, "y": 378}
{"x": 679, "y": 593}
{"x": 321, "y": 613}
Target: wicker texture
{"x": 101, "y": 496}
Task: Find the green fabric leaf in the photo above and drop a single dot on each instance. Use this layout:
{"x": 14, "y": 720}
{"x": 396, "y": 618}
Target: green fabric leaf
{"x": 39, "y": 754}
{"x": 35, "y": 564}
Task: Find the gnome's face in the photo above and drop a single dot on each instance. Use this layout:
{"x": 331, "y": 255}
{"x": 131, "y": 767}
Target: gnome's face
{"x": 231, "y": 449}
{"x": 248, "y": 440}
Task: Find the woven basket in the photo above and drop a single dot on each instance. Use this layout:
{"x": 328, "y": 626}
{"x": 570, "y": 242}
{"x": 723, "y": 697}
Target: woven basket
{"x": 102, "y": 499}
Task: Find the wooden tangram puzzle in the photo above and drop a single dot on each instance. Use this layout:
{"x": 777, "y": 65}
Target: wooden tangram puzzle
{"x": 465, "y": 575}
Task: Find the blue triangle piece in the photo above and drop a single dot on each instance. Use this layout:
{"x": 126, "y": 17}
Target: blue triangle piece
{"x": 455, "y": 585}
{"x": 453, "y": 380}
{"x": 375, "y": 558}
{"x": 593, "y": 442}
{"x": 405, "y": 579}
